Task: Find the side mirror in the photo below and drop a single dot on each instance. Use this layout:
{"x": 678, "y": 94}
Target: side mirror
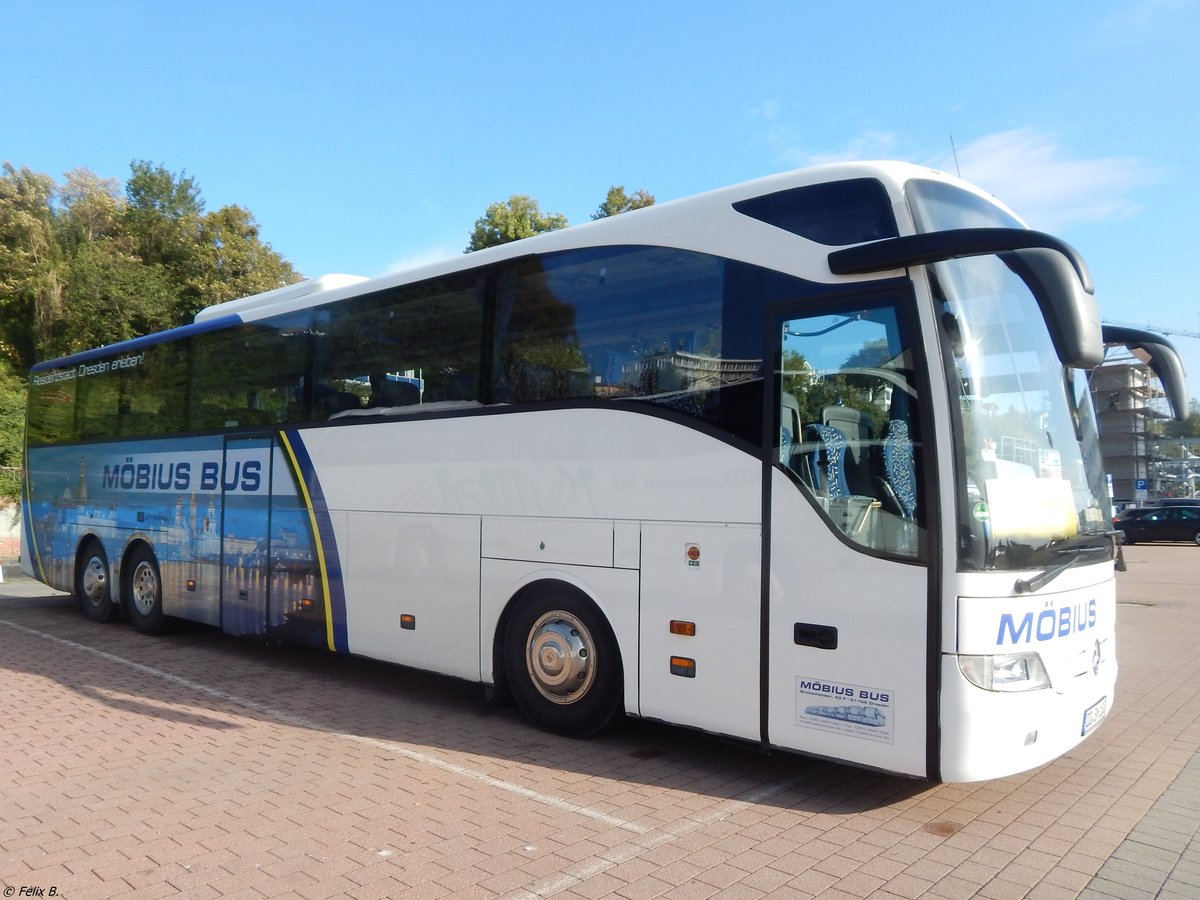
{"x": 1162, "y": 358}
{"x": 1069, "y": 309}
{"x": 1053, "y": 270}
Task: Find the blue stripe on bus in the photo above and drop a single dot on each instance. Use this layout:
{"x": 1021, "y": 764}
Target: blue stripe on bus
{"x": 327, "y": 548}
{"x": 140, "y": 343}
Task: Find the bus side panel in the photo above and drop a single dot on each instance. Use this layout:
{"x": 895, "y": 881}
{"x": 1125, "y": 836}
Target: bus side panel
{"x": 421, "y": 566}
{"x": 166, "y": 491}
{"x": 865, "y": 700}
{"x": 708, "y": 576}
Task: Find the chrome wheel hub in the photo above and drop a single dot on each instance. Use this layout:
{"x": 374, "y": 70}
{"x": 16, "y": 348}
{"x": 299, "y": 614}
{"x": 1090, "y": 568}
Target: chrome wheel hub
{"x": 94, "y": 581}
{"x": 145, "y": 588}
{"x": 560, "y": 657}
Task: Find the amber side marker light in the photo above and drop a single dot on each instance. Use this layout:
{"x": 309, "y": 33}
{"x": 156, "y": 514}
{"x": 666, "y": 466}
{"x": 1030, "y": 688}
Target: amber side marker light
{"x": 408, "y": 622}
{"x": 687, "y": 629}
{"x": 682, "y": 666}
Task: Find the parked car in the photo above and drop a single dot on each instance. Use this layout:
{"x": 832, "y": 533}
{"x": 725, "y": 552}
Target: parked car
{"x": 1159, "y": 523}
{"x": 1175, "y": 501}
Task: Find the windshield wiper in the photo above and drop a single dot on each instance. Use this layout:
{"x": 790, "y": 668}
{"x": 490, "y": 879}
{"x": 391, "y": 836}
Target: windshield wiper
{"x": 1037, "y": 582}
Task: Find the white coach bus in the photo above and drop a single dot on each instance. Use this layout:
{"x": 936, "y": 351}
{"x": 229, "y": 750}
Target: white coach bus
{"x": 809, "y": 461}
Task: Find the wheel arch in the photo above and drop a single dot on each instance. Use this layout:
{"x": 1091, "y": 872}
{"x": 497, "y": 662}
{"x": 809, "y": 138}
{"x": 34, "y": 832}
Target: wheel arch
{"x": 539, "y": 585}
{"x": 81, "y": 545}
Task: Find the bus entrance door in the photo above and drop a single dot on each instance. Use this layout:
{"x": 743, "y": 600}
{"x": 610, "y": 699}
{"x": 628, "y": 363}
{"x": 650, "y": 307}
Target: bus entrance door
{"x": 245, "y": 533}
{"x": 848, "y": 589}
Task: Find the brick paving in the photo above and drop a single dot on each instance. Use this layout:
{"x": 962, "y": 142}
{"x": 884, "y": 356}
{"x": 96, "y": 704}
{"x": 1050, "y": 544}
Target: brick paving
{"x": 199, "y": 765}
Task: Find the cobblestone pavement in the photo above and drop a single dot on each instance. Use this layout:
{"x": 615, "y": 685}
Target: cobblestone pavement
{"x": 200, "y": 765}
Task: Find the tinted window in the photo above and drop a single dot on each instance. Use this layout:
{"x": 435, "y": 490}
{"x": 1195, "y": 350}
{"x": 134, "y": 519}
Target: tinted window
{"x": 836, "y": 213}
{"x": 415, "y": 345}
{"x": 154, "y": 390}
{"x": 98, "y": 393}
{"x": 250, "y": 375}
{"x": 644, "y": 324}
{"x": 849, "y": 431}
{"x": 52, "y": 407}
{"x": 938, "y": 206}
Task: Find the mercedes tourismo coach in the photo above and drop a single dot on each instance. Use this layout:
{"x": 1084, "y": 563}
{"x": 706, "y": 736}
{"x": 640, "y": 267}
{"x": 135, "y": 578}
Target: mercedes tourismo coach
{"x": 809, "y": 461}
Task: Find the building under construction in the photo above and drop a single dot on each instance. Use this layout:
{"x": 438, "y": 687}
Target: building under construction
{"x": 1132, "y": 409}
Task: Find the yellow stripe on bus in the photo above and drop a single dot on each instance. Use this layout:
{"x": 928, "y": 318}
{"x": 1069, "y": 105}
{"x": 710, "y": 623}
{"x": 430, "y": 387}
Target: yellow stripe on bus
{"x": 312, "y": 518}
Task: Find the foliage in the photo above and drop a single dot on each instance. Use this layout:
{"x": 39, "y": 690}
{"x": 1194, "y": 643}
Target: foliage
{"x": 518, "y": 217}
{"x": 12, "y": 429}
{"x": 84, "y": 264}
{"x": 618, "y": 201}
{"x": 31, "y": 258}
{"x": 1189, "y": 427}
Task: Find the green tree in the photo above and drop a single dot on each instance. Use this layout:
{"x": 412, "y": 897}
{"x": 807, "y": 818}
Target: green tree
{"x": 1189, "y": 427}
{"x": 86, "y": 264}
{"x": 231, "y": 260}
{"x": 31, "y": 264}
{"x": 12, "y": 431}
{"x": 618, "y": 201}
{"x": 520, "y": 216}
{"x": 111, "y": 296}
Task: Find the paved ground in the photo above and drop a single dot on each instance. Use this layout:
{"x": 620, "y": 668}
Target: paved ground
{"x": 199, "y": 765}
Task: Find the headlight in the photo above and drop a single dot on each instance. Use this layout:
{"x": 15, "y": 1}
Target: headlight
{"x": 1011, "y": 672}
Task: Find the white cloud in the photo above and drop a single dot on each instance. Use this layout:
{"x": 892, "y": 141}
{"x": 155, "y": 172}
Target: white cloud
{"x": 1031, "y": 172}
{"x": 870, "y": 144}
{"x": 423, "y": 258}
{"x": 768, "y": 109}
{"x": 1135, "y": 22}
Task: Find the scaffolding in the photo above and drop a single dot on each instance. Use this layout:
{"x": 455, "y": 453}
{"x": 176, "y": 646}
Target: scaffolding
{"x": 1132, "y": 410}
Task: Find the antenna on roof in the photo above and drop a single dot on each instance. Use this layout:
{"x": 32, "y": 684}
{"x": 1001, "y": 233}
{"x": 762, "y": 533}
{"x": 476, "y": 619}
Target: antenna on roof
{"x": 953, "y": 150}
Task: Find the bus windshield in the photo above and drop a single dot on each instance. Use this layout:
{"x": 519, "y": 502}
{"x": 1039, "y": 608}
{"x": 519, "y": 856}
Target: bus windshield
{"x": 1031, "y": 483}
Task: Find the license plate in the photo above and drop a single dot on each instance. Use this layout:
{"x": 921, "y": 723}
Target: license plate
{"x": 1094, "y": 715}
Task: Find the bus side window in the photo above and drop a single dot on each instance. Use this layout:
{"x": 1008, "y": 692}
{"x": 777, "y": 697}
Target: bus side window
{"x": 847, "y": 422}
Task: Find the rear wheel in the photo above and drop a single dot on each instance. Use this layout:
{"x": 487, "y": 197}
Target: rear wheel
{"x": 1196, "y": 538}
{"x": 92, "y": 583}
{"x": 142, "y": 591}
{"x": 562, "y": 663}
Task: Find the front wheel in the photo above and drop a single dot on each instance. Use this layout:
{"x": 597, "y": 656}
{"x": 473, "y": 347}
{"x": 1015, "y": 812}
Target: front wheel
{"x": 92, "y": 584}
{"x": 562, "y": 663}
{"x": 1196, "y": 538}
{"x": 142, "y": 592}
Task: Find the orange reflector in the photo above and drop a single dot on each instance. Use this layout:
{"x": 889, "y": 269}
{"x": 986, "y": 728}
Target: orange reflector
{"x": 687, "y": 629}
{"x": 306, "y": 603}
{"x": 408, "y": 622}
{"x": 191, "y": 584}
{"x": 693, "y": 553}
{"x": 681, "y": 665}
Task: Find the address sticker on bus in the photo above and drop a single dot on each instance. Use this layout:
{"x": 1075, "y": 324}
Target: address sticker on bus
{"x": 850, "y": 709}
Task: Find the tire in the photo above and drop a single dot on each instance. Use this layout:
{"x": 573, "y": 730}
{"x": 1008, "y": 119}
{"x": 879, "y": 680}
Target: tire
{"x": 93, "y": 585}
{"x": 562, "y": 663}
{"x": 141, "y": 590}
{"x": 1196, "y": 538}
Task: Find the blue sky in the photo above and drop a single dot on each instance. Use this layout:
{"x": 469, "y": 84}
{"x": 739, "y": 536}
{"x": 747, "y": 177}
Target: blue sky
{"x": 367, "y": 136}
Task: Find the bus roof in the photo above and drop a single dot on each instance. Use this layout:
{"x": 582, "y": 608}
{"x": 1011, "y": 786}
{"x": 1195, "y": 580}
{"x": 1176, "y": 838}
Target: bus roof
{"x": 698, "y": 223}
